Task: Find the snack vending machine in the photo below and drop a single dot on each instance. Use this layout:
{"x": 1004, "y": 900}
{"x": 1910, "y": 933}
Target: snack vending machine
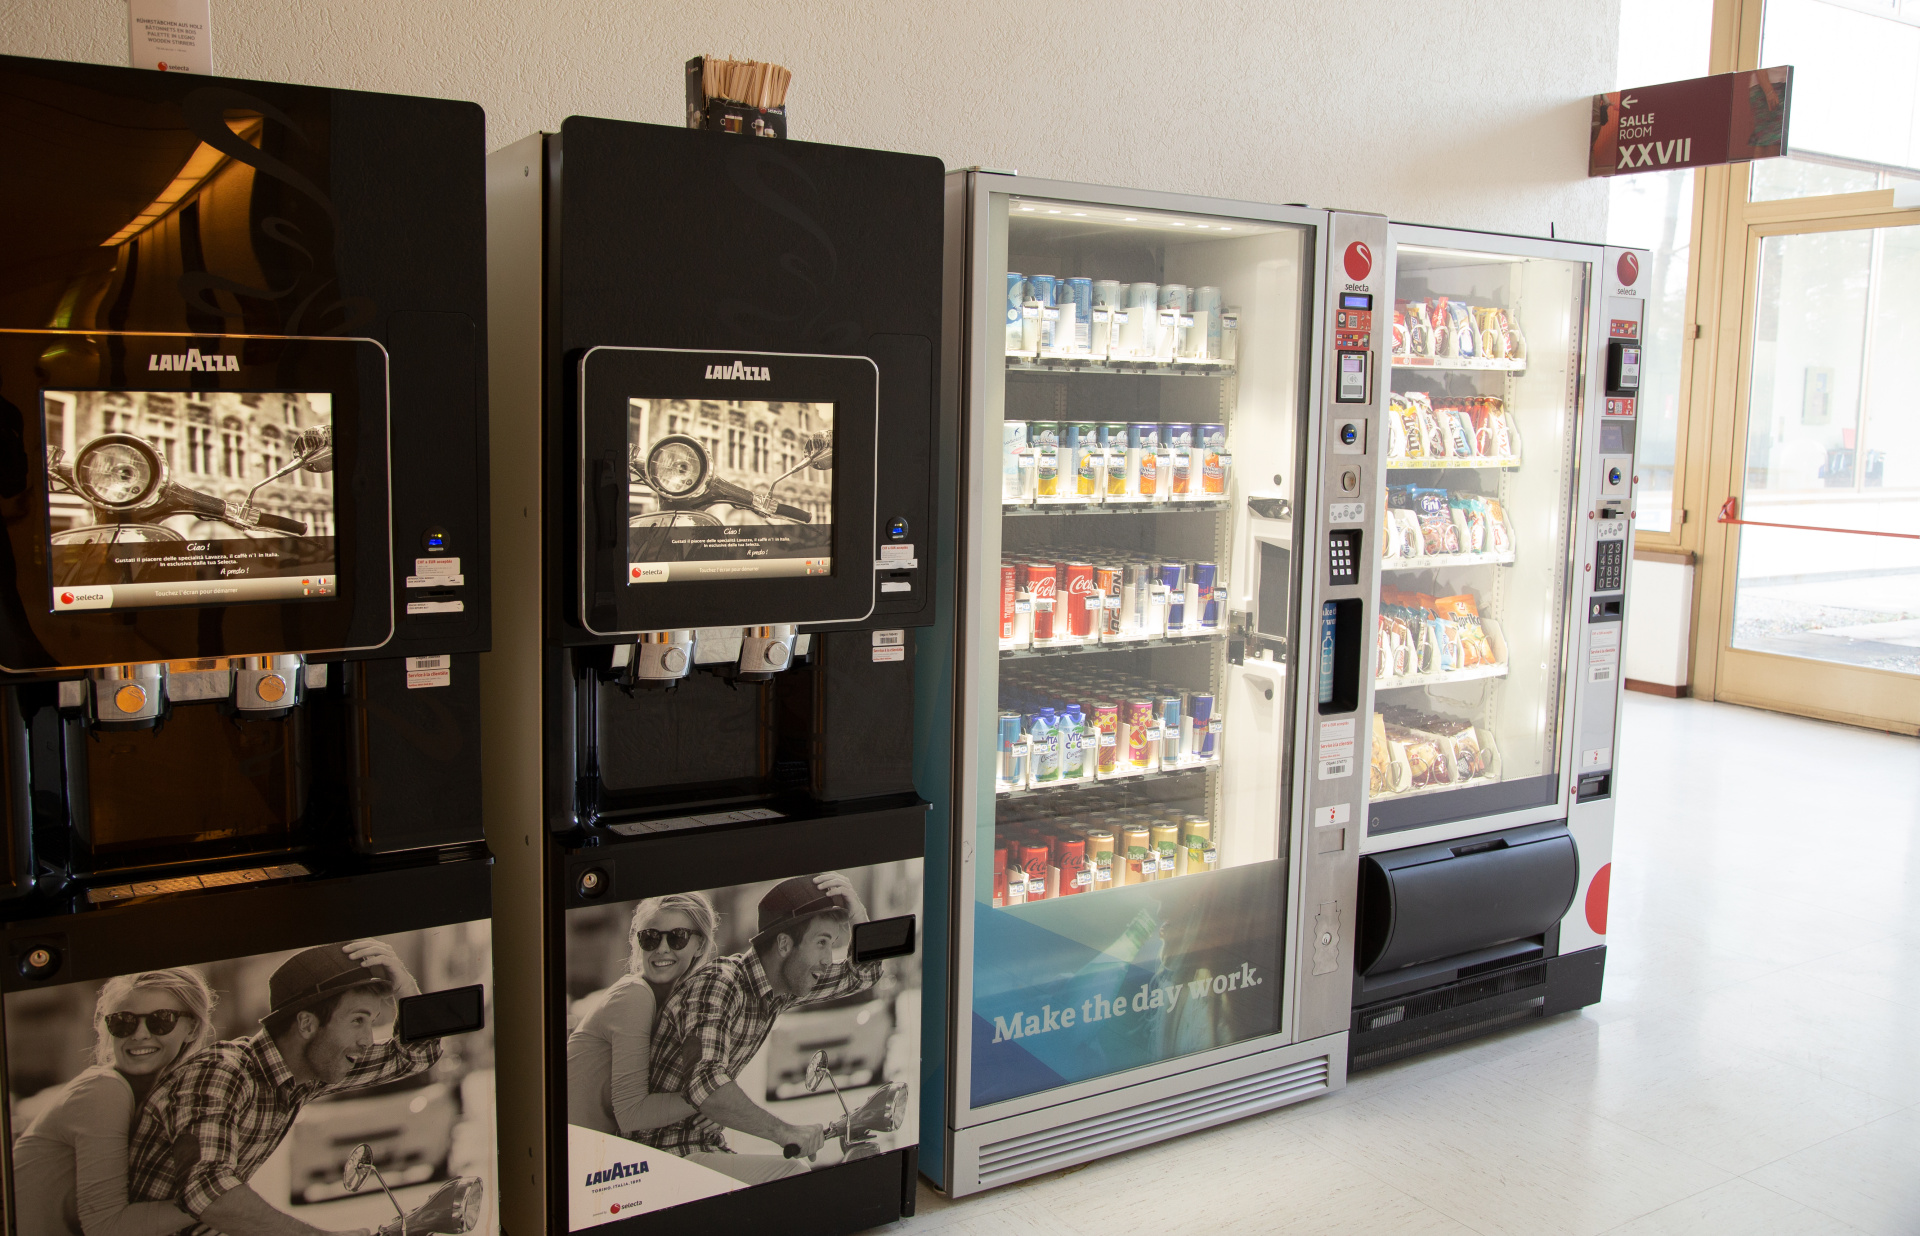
{"x": 1170, "y": 409}
{"x": 242, "y": 327}
{"x": 1496, "y": 670}
{"x": 717, "y": 460}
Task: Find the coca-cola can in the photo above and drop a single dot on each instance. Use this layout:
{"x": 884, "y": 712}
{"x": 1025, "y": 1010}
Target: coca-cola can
{"x": 1070, "y": 861}
{"x": 1076, "y": 580}
{"x": 1043, "y": 579}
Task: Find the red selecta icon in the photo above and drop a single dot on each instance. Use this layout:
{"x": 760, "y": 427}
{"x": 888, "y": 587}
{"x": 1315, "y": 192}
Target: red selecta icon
{"x": 1359, "y": 260}
{"x": 66, "y": 598}
{"x": 1628, "y": 268}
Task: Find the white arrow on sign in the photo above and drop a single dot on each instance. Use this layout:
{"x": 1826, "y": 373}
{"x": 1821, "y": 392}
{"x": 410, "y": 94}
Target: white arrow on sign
{"x": 1629, "y": 101}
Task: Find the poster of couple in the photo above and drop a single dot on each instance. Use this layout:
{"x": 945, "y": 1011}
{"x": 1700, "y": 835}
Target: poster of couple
{"x": 229, "y": 1095}
{"x": 724, "y": 1038}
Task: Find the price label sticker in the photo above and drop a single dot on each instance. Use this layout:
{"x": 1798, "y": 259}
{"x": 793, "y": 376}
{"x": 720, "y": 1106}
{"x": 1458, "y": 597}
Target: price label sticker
{"x": 1023, "y": 607}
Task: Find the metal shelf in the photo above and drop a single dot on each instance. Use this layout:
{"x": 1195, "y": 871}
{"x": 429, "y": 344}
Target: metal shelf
{"x": 1018, "y": 363}
{"x": 1430, "y": 562}
{"x": 1011, "y": 510}
{"x": 1172, "y": 641}
{"x": 1115, "y": 779}
{"x": 1473, "y": 674}
{"x": 1422, "y": 464}
{"x": 1497, "y": 366}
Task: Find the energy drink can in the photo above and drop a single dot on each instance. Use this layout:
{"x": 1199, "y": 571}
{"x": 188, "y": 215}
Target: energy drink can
{"x": 1016, "y": 301}
{"x": 1201, "y": 728}
{"x": 1044, "y": 438}
{"x": 1167, "y": 850}
{"x": 1106, "y": 719}
{"x": 1173, "y": 296}
{"x": 1035, "y": 860}
{"x": 1178, "y": 441}
{"x": 1142, "y": 860}
{"x": 1013, "y": 447}
{"x": 1013, "y": 757}
{"x": 1201, "y": 854}
{"x": 1141, "y": 333}
{"x": 1076, "y": 578}
{"x": 1106, "y": 590}
{"x": 1043, "y": 578}
{"x": 1172, "y": 748}
{"x": 1100, "y": 862}
{"x": 1210, "y": 442}
{"x": 1172, "y": 577}
{"x": 1070, "y": 867}
{"x": 1113, "y": 440}
{"x": 1141, "y": 747}
{"x": 1109, "y": 294}
{"x": 1143, "y": 450}
{"x": 1076, "y": 294}
{"x": 1083, "y": 454}
{"x": 1204, "y": 584}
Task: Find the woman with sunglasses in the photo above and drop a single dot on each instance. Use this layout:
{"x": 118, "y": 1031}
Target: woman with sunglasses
{"x": 70, "y": 1166}
{"x": 610, "y": 1054}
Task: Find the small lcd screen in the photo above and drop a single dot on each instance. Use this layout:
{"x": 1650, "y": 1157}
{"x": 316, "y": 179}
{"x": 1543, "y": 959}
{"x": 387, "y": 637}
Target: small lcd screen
{"x": 720, "y": 490}
{"x": 1356, "y": 300}
{"x": 158, "y": 498}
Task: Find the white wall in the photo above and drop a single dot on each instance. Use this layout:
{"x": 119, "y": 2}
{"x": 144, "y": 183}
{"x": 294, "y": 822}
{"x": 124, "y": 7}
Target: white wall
{"x": 1467, "y": 112}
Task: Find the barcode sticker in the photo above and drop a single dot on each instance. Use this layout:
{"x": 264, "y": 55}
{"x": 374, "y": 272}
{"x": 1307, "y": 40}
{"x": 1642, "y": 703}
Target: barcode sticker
{"x": 429, "y": 672}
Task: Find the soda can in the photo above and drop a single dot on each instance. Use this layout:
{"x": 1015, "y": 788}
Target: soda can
{"x": 1201, "y": 854}
{"x": 1106, "y": 589}
{"x": 1109, "y": 294}
{"x": 1143, "y": 450}
{"x": 1106, "y": 719}
{"x": 1008, "y": 582}
{"x": 1206, "y": 577}
{"x": 1177, "y": 436}
{"x": 1016, "y": 875}
{"x": 1022, "y": 605}
{"x": 1016, "y": 301}
{"x": 1206, "y": 301}
{"x": 1043, "y": 288}
{"x": 1210, "y": 442}
{"x": 1044, "y": 438}
{"x": 1173, "y": 296}
{"x": 1043, "y": 579}
{"x": 1077, "y": 293}
{"x": 1201, "y": 727}
{"x": 1140, "y": 748}
{"x": 1099, "y": 853}
{"x": 1083, "y": 452}
{"x": 999, "y": 873}
{"x": 1142, "y": 860}
{"x": 1076, "y": 579}
{"x": 1141, "y": 333}
{"x": 1035, "y": 859}
{"x": 1013, "y": 447}
{"x": 1172, "y": 577}
{"x": 1013, "y": 758}
{"x": 1167, "y": 849}
{"x": 1070, "y": 862}
{"x": 1113, "y": 440}
{"x": 1177, "y": 439}
{"x": 1171, "y": 749}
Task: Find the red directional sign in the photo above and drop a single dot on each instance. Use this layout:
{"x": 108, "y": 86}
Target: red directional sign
{"x": 1701, "y": 122}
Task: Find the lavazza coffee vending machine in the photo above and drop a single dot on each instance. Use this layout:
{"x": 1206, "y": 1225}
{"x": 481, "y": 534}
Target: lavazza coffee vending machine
{"x": 1494, "y": 697}
{"x": 716, "y": 443}
{"x": 1144, "y": 921}
{"x": 244, "y": 893}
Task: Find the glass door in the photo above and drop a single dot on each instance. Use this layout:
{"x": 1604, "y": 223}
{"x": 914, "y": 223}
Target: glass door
{"x": 1136, "y": 422}
{"x": 1824, "y": 608}
{"x": 1470, "y": 676}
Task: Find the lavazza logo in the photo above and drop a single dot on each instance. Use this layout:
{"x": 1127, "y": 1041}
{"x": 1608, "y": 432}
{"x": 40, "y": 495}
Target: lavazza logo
{"x": 619, "y": 1171}
{"x": 739, "y": 372}
{"x": 193, "y": 360}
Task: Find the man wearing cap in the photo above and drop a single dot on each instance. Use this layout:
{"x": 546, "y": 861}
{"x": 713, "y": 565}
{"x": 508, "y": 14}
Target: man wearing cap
{"x": 210, "y": 1124}
{"x": 720, "y": 1015}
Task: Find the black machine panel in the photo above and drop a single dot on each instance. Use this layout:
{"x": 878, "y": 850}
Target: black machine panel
{"x": 677, "y": 239}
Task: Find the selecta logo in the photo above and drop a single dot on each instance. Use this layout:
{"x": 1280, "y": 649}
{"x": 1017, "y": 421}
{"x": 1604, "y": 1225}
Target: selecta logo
{"x": 1359, "y": 260}
{"x": 1628, "y": 268}
{"x": 194, "y": 361}
{"x": 66, "y": 598}
{"x": 738, "y": 372}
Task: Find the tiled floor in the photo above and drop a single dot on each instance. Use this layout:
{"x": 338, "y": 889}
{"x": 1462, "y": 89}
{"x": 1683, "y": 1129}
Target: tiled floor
{"x": 1753, "y": 1068}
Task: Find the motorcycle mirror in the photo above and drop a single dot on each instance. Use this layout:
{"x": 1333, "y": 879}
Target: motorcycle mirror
{"x": 820, "y": 451}
{"x": 316, "y": 449}
{"x": 816, "y": 1070}
{"x": 359, "y": 1163}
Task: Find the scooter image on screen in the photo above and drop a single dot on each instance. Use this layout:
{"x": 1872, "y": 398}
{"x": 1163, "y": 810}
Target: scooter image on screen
{"x": 453, "y": 1208}
{"x": 679, "y": 471}
{"x": 126, "y": 480}
{"x": 883, "y": 1112}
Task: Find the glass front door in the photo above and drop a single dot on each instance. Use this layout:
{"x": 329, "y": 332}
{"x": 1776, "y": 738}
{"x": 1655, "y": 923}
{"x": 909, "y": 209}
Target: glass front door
{"x": 1137, "y": 428}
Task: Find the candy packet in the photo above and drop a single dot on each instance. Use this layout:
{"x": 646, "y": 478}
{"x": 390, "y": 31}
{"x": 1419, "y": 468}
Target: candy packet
{"x": 1399, "y": 332}
{"x": 1437, "y": 532}
{"x": 1466, "y": 336}
{"x": 1499, "y": 534}
{"x": 1470, "y": 517}
{"x": 1464, "y": 614}
{"x": 1442, "y": 327}
{"x": 1419, "y": 330}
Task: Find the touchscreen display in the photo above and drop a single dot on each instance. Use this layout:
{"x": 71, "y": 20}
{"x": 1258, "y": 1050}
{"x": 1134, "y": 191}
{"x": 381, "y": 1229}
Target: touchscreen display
{"x": 728, "y": 490}
{"x": 189, "y": 497}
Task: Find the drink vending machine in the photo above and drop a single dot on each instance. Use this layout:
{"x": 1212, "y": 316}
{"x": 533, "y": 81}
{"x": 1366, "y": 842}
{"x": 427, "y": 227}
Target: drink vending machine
{"x": 1508, "y": 490}
{"x": 1170, "y": 409}
{"x": 717, "y": 465}
{"x": 244, "y": 892}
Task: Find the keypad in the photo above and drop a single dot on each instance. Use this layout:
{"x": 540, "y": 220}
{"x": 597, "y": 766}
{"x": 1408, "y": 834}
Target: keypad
{"x": 1609, "y": 570}
{"x": 1343, "y": 556}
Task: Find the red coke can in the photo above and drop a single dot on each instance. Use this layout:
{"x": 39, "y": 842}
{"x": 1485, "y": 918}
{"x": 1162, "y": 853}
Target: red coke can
{"x": 1043, "y": 580}
{"x": 1035, "y": 859}
{"x": 1070, "y": 858}
{"x": 1076, "y": 580}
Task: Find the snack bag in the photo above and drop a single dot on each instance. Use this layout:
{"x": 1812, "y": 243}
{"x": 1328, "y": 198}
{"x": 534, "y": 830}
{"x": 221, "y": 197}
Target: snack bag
{"x": 1428, "y": 765}
{"x": 1510, "y": 333}
{"x": 1419, "y": 330}
{"x": 1399, "y": 332}
{"x": 1464, "y": 613}
{"x": 1432, "y": 440}
{"x": 1410, "y": 425}
{"x": 1470, "y": 517}
{"x": 1437, "y": 533}
{"x": 1442, "y": 328}
{"x": 1466, "y": 336}
{"x": 1469, "y": 757}
{"x": 1396, "y": 427}
{"x": 1458, "y": 429}
{"x": 1499, "y": 533}
{"x": 1380, "y": 776}
{"x": 1403, "y": 528}
{"x": 1487, "y": 323}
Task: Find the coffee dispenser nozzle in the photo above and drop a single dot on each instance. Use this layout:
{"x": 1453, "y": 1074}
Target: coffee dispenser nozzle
{"x": 660, "y": 658}
{"x": 766, "y": 650}
{"x": 125, "y": 697}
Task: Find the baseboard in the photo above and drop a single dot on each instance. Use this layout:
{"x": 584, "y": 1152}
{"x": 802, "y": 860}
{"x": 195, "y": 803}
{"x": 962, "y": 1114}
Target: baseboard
{"x": 1656, "y": 688}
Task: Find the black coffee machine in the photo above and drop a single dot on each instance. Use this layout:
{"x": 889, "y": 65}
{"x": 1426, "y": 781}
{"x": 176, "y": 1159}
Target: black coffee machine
{"x": 718, "y": 449}
{"x": 245, "y": 578}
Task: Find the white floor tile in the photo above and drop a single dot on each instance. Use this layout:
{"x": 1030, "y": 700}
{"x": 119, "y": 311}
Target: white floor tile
{"x": 1869, "y": 1176}
{"x": 1737, "y": 1208}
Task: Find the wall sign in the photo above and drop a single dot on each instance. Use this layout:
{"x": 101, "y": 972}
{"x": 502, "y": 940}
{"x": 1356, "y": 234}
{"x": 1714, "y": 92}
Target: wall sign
{"x": 1701, "y": 122}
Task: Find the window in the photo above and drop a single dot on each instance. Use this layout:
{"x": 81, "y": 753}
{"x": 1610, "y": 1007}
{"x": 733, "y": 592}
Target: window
{"x": 736, "y": 447}
{"x": 199, "y": 449}
{"x": 760, "y": 451}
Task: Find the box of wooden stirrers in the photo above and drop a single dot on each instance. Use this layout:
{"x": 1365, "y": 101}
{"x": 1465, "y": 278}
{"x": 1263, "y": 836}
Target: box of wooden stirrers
{"x": 737, "y": 96}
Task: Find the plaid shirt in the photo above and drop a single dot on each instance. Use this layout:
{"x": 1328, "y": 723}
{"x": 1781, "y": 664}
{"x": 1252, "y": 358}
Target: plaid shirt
{"x": 210, "y": 1125}
{"x": 714, "y": 1022}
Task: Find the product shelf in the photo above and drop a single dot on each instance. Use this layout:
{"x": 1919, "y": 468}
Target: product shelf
{"x": 1470, "y": 674}
{"x": 1470, "y": 783}
{"x": 1012, "y": 509}
{"x": 1423, "y": 464}
{"x": 1429, "y": 562}
{"x": 1138, "y": 775}
{"x": 1461, "y": 364}
{"x": 1062, "y": 650}
{"x": 1027, "y": 362}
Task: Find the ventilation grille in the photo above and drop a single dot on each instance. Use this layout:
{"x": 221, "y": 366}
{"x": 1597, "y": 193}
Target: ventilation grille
{"x": 1016, "y": 1158}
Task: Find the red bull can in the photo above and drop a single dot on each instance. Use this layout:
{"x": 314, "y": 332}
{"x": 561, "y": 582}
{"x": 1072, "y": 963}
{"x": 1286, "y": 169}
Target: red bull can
{"x": 1205, "y": 727}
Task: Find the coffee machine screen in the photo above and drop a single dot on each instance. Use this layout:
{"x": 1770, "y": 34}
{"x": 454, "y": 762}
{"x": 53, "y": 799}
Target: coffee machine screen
{"x": 733, "y": 489}
{"x": 201, "y": 498}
